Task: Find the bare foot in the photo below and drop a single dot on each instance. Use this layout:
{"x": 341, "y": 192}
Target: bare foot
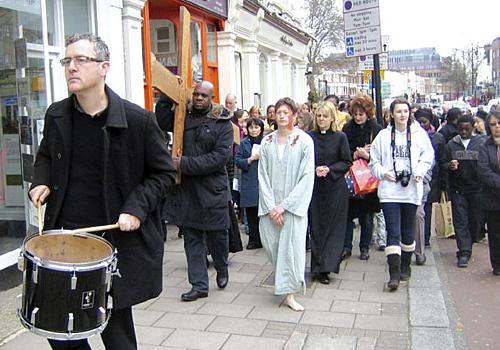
{"x": 292, "y": 303}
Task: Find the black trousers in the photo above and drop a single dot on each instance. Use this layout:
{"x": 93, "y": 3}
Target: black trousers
{"x": 119, "y": 334}
{"x": 493, "y": 222}
{"x": 253, "y": 225}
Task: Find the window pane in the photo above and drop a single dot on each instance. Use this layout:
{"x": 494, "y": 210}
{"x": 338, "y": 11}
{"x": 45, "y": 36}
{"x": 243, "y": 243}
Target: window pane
{"x": 196, "y": 63}
{"x": 76, "y": 14}
{"x": 212, "y": 54}
{"x": 163, "y": 33}
{"x": 163, "y": 47}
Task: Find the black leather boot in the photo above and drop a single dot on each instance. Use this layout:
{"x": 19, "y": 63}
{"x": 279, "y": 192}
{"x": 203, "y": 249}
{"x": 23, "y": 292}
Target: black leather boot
{"x": 405, "y": 265}
{"x": 394, "y": 261}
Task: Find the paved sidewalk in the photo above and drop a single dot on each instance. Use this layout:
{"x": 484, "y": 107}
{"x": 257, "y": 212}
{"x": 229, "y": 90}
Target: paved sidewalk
{"x": 353, "y": 312}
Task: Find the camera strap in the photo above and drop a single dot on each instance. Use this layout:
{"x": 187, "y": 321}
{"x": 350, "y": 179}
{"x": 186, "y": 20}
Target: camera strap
{"x": 393, "y": 146}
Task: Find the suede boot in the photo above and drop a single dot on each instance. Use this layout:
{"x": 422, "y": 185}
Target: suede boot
{"x": 405, "y": 265}
{"x": 394, "y": 261}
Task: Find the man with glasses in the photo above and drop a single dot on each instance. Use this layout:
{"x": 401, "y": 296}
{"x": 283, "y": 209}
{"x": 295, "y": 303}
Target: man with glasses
{"x": 102, "y": 160}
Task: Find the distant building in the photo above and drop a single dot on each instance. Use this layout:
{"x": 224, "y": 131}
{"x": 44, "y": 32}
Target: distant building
{"x": 495, "y": 65}
{"x": 425, "y": 62}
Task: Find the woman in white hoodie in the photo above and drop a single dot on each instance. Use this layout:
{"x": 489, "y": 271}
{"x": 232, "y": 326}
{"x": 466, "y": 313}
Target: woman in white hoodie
{"x": 400, "y": 156}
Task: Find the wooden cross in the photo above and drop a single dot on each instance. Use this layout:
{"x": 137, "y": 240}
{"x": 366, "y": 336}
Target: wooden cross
{"x": 175, "y": 86}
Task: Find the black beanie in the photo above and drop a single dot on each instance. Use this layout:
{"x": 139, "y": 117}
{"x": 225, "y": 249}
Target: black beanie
{"x": 424, "y": 113}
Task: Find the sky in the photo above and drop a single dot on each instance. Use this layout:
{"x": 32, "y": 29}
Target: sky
{"x": 443, "y": 24}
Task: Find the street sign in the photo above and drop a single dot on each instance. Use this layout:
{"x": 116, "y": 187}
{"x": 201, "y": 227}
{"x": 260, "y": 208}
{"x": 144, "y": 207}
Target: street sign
{"x": 365, "y": 41}
{"x": 358, "y": 5}
{"x": 361, "y": 19}
{"x": 362, "y": 27}
{"x": 366, "y": 62}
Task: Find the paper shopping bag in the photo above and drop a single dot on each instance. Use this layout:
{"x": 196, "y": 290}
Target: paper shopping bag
{"x": 364, "y": 181}
{"x": 442, "y": 218}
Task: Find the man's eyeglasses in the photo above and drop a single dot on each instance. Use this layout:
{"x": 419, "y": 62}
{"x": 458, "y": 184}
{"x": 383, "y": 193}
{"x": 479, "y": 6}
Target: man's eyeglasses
{"x": 493, "y": 124}
{"x": 78, "y": 60}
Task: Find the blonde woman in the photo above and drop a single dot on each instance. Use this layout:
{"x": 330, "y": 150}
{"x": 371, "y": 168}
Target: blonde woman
{"x": 330, "y": 200}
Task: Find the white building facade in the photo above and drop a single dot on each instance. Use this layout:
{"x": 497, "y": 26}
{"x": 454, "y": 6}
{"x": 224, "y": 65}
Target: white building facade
{"x": 262, "y": 53}
{"x": 32, "y": 41}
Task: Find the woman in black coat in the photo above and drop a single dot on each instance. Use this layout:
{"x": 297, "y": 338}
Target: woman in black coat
{"x": 489, "y": 173}
{"x": 330, "y": 199}
{"x": 361, "y": 131}
{"x": 247, "y": 159}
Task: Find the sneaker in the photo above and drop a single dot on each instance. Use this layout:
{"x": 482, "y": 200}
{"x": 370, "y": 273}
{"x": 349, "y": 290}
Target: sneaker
{"x": 463, "y": 261}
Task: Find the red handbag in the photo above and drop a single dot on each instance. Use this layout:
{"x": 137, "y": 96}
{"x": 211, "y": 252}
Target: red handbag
{"x": 364, "y": 181}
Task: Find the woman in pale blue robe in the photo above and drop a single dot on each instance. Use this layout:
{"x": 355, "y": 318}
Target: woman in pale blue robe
{"x": 286, "y": 181}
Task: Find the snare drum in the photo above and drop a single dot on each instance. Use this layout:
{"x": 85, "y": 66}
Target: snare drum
{"x": 66, "y": 284}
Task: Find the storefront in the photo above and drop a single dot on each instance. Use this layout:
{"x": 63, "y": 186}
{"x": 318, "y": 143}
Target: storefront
{"x": 263, "y": 51}
{"x": 32, "y": 35}
{"x": 162, "y": 20}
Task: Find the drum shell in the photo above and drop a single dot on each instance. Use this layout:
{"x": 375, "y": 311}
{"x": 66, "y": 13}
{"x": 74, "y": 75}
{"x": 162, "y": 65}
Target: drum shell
{"x": 47, "y": 285}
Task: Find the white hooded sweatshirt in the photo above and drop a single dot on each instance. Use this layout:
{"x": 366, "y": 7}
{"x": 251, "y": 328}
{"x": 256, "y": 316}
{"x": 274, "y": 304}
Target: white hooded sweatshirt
{"x": 381, "y": 161}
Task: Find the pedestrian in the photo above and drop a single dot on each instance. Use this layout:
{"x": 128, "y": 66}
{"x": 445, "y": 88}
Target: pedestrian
{"x": 400, "y": 157}
{"x": 305, "y": 121}
{"x": 425, "y": 117}
{"x": 461, "y": 154}
{"x": 247, "y": 159}
{"x": 199, "y": 204}
{"x": 286, "y": 180}
{"x": 330, "y": 200}
{"x": 361, "y": 130}
{"x": 449, "y": 130}
{"x": 103, "y": 159}
{"x": 489, "y": 173}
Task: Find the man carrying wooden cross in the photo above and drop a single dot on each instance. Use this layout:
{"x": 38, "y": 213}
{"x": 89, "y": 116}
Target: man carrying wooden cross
{"x": 198, "y": 205}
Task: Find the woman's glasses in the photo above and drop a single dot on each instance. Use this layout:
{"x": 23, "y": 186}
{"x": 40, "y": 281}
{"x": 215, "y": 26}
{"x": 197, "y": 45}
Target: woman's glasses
{"x": 493, "y": 124}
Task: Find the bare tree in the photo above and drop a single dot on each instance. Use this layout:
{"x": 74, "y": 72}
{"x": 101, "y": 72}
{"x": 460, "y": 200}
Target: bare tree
{"x": 327, "y": 25}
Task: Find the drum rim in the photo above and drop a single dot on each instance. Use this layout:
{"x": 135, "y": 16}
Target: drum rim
{"x": 69, "y": 266}
{"x": 64, "y": 336}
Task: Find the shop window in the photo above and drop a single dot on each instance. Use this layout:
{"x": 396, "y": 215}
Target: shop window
{"x": 163, "y": 43}
{"x": 196, "y": 54}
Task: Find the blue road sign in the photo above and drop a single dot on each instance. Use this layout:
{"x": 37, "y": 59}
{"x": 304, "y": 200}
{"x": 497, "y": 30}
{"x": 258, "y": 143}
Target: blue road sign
{"x": 348, "y": 5}
{"x": 350, "y": 51}
{"x": 349, "y": 41}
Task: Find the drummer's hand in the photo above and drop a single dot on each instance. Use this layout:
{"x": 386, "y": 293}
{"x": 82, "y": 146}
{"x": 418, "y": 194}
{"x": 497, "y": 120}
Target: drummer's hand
{"x": 128, "y": 222}
{"x": 39, "y": 194}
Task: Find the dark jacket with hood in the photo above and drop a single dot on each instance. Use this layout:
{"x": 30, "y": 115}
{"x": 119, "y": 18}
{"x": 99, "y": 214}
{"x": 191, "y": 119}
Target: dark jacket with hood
{"x": 137, "y": 171}
{"x": 466, "y": 178}
{"x": 201, "y": 199}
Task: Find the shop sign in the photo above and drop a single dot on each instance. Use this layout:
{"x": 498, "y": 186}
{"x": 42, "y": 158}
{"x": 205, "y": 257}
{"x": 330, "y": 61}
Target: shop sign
{"x": 288, "y": 42}
{"x": 218, "y": 7}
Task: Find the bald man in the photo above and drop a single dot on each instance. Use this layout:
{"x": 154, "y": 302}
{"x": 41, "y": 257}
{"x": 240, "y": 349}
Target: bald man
{"x": 230, "y": 103}
{"x": 199, "y": 204}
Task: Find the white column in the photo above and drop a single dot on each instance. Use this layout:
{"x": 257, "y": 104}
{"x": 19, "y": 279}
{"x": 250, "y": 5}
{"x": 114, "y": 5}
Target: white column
{"x": 285, "y": 87}
{"x": 227, "y": 71}
{"x": 132, "y": 39}
{"x": 249, "y": 73}
{"x": 109, "y": 19}
{"x": 301, "y": 82}
{"x": 275, "y": 75}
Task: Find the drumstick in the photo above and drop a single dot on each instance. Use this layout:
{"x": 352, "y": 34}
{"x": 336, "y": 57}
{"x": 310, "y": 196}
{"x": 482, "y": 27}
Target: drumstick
{"x": 96, "y": 228}
{"x": 40, "y": 221}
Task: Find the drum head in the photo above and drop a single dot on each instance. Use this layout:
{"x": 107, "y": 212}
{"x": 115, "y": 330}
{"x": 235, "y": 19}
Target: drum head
{"x": 69, "y": 248}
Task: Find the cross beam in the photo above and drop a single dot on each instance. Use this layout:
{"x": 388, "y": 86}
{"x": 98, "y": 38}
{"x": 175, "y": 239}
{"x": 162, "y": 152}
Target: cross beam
{"x": 175, "y": 86}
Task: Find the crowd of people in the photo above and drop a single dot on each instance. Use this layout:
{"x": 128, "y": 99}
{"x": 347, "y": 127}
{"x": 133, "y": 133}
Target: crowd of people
{"x": 287, "y": 180}
{"x": 418, "y": 157}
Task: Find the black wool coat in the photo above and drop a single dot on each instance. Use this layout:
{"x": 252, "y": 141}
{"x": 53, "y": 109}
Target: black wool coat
{"x": 201, "y": 200}
{"x": 137, "y": 172}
